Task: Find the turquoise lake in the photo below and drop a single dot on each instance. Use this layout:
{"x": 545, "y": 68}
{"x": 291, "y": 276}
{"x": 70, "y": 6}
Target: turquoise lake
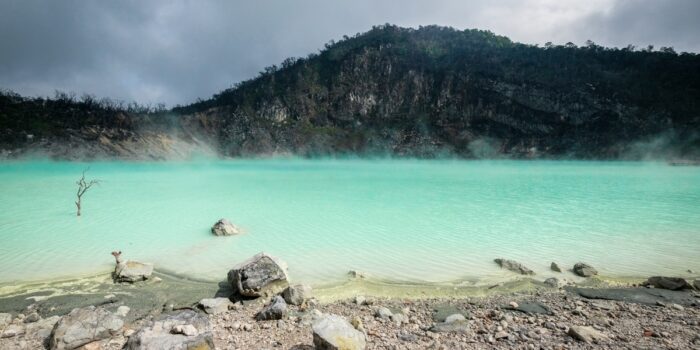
{"x": 401, "y": 220}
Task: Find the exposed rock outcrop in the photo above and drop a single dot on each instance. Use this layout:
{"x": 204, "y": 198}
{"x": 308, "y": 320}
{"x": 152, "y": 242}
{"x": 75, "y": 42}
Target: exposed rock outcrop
{"x": 83, "y": 326}
{"x": 183, "y": 330}
{"x": 261, "y": 275}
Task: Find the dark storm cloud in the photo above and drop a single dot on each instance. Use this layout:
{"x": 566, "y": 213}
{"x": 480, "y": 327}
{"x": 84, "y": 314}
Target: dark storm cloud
{"x": 176, "y": 51}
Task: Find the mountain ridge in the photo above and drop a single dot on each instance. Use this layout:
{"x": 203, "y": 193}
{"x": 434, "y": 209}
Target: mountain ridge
{"x": 427, "y": 92}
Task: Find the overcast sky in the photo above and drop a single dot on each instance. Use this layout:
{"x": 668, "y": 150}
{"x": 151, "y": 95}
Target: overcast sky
{"x": 174, "y": 51}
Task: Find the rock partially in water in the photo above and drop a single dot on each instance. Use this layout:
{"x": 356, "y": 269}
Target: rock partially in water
{"x": 333, "y": 332}
{"x": 224, "y": 227}
{"x": 555, "y": 267}
{"x": 552, "y": 282}
{"x": 215, "y": 306}
{"x": 132, "y": 271}
{"x": 261, "y": 275}
{"x": 83, "y": 326}
{"x": 586, "y": 334}
{"x": 297, "y": 294}
{"x": 182, "y": 330}
{"x": 584, "y": 270}
{"x": 670, "y": 283}
{"x": 513, "y": 266}
{"x": 275, "y": 311}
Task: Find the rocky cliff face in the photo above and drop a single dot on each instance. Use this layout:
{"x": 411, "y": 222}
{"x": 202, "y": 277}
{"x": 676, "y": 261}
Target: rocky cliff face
{"x": 438, "y": 92}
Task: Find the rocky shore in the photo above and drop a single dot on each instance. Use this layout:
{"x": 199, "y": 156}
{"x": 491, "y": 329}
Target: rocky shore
{"x": 257, "y": 308}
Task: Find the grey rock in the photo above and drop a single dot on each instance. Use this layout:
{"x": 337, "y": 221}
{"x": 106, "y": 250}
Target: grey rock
{"x": 42, "y": 329}
{"x": 670, "y": 283}
{"x": 456, "y": 326}
{"x": 530, "y": 307}
{"x": 133, "y": 271}
{"x": 356, "y": 274}
{"x": 584, "y": 270}
{"x": 399, "y": 318}
{"x": 214, "y": 306}
{"x": 187, "y": 330}
{"x": 333, "y": 332}
{"x": 83, "y": 326}
{"x": 275, "y": 311}
{"x": 454, "y": 318}
{"x": 586, "y": 334}
{"x": 297, "y": 294}
{"x": 552, "y": 282}
{"x": 513, "y": 266}
{"x": 224, "y": 227}
{"x": 12, "y": 331}
{"x": 555, "y": 267}
{"x": 158, "y": 334}
{"x": 261, "y": 275}
{"x": 383, "y": 313}
{"x": 646, "y": 296}
{"x": 32, "y": 317}
{"x": 5, "y": 319}
{"x": 123, "y": 310}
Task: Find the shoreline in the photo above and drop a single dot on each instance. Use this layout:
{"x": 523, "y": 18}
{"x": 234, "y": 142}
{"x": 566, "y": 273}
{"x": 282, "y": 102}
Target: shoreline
{"x": 490, "y": 321}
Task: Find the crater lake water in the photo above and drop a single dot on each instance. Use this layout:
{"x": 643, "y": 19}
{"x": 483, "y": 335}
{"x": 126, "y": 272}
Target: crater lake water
{"x": 400, "y": 220}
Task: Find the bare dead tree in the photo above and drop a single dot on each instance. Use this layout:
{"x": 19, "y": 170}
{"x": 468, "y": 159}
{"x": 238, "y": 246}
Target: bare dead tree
{"x": 83, "y": 186}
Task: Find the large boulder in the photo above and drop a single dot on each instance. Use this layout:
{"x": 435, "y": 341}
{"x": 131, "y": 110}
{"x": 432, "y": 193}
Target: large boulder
{"x": 297, "y": 294}
{"x": 132, "y": 271}
{"x": 182, "y": 330}
{"x": 513, "y": 266}
{"x": 261, "y": 275}
{"x": 584, "y": 270}
{"x": 277, "y": 310}
{"x": 671, "y": 283}
{"x": 333, "y": 332}
{"x": 224, "y": 227}
{"x": 215, "y": 306}
{"x": 83, "y": 326}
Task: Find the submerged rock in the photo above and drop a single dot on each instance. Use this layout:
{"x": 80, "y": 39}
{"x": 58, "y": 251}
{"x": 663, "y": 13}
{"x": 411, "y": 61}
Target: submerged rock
{"x": 670, "y": 283}
{"x": 297, "y": 294}
{"x": 333, "y": 332}
{"x": 215, "y": 306}
{"x": 183, "y": 330}
{"x": 277, "y": 310}
{"x": 224, "y": 227}
{"x": 585, "y": 270}
{"x": 132, "y": 271}
{"x": 83, "y": 326}
{"x": 552, "y": 282}
{"x": 513, "y": 266}
{"x": 555, "y": 267}
{"x": 261, "y": 275}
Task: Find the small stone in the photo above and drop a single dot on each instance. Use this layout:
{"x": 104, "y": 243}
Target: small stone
{"x": 454, "y": 318}
{"x": 383, "y": 313}
{"x": 513, "y": 266}
{"x": 123, "y": 311}
{"x": 552, "y": 282}
{"x": 360, "y": 300}
{"x": 513, "y": 304}
{"x": 297, "y": 294}
{"x": 187, "y": 329}
{"x": 275, "y": 311}
{"x": 356, "y": 274}
{"x": 215, "y": 306}
{"x": 33, "y": 317}
{"x": 224, "y": 227}
{"x": 555, "y": 267}
{"x": 677, "y": 307}
{"x": 356, "y": 322}
{"x": 501, "y": 335}
{"x": 586, "y": 334}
